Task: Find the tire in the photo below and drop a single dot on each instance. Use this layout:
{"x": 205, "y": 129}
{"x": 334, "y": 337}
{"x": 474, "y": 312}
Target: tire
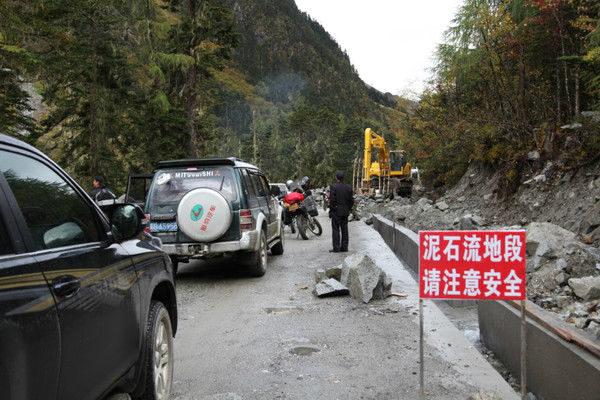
{"x": 302, "y": 223}
{"x": 204, "y": 214}
{"x": 315, "y": 226}
{"x": 158, "y": 346}
{"x": 257, "y": 260}
{"x": 277, "y": 248}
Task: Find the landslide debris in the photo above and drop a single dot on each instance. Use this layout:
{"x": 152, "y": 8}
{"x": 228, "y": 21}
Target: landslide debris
{"x": 357, "y": 276}
{"x": 560, "y": 211}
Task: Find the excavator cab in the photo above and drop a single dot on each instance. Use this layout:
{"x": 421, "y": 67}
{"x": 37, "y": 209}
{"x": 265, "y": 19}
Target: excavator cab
{"x": 397, "y": 160}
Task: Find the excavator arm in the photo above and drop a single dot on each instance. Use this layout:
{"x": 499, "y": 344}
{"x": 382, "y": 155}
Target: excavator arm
{"x": 380, "y": 167}
{"x": 390, "y": 168}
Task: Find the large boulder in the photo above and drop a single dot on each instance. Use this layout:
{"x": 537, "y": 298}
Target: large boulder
{"x": 330, "y": 287}
{"x": 424, "y": 201}
{"x": 587, "y": 288}
{"x": 320, "y": 275}
{"x": 543, "y": 280}
{"x": 549, "y": 235}
{"x": 425, "y": 204}
{"x": 470, "y": 222}
{"x": 546, "y": 241}
{"x": 364, "y": 279}
{"x": 334, "y": 272}
{"x": 442, "y": 205}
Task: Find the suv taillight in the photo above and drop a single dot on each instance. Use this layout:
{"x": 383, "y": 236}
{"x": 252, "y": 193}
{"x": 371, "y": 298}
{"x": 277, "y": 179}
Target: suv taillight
{"x": 147, "y": 223}
{"x": 245, "y": 220}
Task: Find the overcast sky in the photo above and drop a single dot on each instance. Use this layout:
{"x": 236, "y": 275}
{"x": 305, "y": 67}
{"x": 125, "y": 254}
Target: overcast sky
{"x": 390, "y": 42}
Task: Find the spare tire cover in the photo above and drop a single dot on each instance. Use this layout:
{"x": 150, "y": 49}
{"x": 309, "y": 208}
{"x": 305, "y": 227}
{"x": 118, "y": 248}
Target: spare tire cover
{"x": 204, "y": 214}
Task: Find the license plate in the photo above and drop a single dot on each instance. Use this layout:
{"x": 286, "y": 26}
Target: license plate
{"x": 163, "y": 226}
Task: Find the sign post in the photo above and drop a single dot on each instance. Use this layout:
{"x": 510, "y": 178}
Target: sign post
{"x": 523, "y": 351}
{"x": 473, "y": 265}
{"x": 421, "y": 344}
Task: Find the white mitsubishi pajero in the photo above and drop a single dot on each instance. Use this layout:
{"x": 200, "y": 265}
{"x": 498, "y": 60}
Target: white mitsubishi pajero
{"x": 215, "y": 206}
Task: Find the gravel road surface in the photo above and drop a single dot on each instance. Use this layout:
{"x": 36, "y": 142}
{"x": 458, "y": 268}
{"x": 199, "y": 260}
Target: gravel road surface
{"x": 270, "y": 338}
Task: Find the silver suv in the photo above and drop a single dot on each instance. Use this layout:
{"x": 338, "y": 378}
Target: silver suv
{"x": 215, "y": 206}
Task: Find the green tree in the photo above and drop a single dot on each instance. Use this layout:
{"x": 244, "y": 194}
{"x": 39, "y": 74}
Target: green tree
{"x": 197, "y": 45}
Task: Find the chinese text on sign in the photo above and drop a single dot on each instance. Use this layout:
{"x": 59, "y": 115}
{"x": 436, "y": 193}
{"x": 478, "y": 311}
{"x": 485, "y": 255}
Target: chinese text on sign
{"x": 485, "y": 265}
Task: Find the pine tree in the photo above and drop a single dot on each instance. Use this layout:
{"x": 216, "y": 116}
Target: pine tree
{"x": 197, "y": 45}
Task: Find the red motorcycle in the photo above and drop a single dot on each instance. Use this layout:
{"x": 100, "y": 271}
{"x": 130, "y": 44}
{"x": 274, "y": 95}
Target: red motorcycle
{"x": 300, "y": 211}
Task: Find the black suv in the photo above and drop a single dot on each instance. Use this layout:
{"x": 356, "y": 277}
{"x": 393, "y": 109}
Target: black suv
{"x": 215, "y": 206}
{"x": 87, "y": 299}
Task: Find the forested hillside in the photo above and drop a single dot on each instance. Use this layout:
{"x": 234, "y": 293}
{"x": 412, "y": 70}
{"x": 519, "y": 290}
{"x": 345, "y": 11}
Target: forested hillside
{"x": 124, "y": 84}
{"x": 509, "y": 75}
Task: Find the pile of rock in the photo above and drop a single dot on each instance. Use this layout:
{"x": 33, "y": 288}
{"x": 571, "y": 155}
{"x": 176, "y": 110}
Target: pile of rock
{"x": 422, "y": 214}
{"x": 358, "y": 276}
{"x": 563, "y": 274}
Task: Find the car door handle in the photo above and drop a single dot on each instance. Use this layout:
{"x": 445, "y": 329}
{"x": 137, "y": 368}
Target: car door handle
{"x": 66, "y": 285}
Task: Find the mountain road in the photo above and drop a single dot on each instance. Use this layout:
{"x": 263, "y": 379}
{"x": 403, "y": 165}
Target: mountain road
{"x": 271, "y": 338}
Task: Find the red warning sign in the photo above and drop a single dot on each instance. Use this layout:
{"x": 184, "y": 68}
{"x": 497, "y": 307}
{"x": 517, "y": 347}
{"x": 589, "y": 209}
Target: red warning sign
{"x": 483, "y": 265}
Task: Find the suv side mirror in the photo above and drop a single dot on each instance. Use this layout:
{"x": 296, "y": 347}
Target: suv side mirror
{"x": 127, "y": 221}
{"x": 275, "y": 190}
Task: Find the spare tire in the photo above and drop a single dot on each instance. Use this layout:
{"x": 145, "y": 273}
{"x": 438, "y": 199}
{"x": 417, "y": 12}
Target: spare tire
{"x": 204, "y": 214}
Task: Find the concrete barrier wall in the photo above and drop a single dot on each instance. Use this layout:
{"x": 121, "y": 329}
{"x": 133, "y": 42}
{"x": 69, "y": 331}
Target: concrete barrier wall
{"x": 556, "y": 369}
{"x": 403, "y": 242}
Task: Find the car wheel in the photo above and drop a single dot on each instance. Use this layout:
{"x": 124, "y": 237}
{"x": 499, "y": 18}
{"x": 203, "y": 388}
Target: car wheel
{"x": 258, "y": 259}
{"x": 277, "y": 248}
{"x": 158, "y": 368}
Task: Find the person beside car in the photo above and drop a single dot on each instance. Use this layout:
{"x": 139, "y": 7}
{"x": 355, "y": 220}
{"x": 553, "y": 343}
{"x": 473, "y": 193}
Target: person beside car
{"x": 341, "y": 202}
{"x": 100, "y": 191}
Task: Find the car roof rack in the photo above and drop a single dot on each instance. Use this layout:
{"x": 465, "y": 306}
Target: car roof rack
{"x": 201, "y": 162}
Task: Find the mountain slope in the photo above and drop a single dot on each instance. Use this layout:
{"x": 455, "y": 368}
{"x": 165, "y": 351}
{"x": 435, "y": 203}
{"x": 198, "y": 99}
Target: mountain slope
{"x": 290, "y": 100}
{"x": 278, "y": 41}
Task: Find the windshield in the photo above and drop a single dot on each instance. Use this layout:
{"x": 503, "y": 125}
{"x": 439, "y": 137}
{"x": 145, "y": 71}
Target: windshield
{"x": 169, "y": 186}
{"x": 397, "y": 160}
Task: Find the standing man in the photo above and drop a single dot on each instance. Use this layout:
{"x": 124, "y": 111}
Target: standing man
{"x": 100, "y": 191}
{"x": 341, "y": 202}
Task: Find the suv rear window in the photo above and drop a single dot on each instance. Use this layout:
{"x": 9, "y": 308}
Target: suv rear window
{"x": 169, "y": 186}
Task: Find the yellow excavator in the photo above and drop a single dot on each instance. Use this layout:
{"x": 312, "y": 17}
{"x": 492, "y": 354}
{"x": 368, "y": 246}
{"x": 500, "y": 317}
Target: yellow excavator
{"x": 385, "y": 172}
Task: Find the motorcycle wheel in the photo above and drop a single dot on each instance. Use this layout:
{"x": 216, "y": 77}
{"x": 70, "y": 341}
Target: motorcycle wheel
{"x": 314, "y": 226}
{"x": 302, "y": 223}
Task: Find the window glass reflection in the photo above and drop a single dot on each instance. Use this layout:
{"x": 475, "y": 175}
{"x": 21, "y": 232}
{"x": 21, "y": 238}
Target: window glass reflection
{"x": 55, "y": 214}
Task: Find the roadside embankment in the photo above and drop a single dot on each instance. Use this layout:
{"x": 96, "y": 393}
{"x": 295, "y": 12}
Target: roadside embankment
{"x": 563, "y": 273}
{"x": 556, "y": 368}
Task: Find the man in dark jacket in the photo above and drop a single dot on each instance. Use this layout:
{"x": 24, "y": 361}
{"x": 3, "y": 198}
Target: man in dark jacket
{"x": 341, "y": 202}
{"x": 100, "y": 191}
